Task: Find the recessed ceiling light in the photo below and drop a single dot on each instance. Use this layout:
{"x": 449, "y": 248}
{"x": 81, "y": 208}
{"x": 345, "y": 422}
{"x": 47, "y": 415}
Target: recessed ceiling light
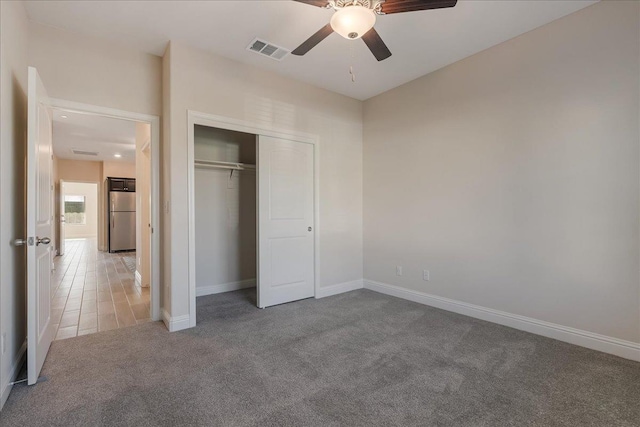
{"x": 117, "y": 155}
{"x": 64, "y": 117}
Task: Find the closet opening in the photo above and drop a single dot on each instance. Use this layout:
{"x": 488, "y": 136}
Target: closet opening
{"x": 253, "y": 204}
{"x": 225, "y": 211}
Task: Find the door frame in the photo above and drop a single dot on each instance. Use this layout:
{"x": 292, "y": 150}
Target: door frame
{"x": 154, "y": 122}
{"x": 58, "y": 201}
{"x": 197, "y": 118}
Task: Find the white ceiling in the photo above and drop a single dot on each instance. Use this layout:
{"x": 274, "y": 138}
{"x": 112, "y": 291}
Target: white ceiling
{"x": 89, "y": 132}
{"x": 421, "y": 42}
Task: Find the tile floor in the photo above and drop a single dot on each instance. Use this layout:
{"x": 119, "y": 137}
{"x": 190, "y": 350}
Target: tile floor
{"x": 95, "y": 291}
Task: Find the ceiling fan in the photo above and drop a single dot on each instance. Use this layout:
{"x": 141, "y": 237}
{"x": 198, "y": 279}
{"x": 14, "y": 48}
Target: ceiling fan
{"x": 354, "y": 19}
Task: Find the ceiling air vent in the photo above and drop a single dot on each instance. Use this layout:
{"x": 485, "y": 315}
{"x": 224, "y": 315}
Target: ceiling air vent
{"x": 268, "y": 49}
{"x": 83, "y": 152}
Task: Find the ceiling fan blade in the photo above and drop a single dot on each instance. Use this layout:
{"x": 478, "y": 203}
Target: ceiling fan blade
{"x": 312, "y": 41}
{"x": 376, "y": 45}
{"x": 319, "y": 3}
{"x": 399, "y": 6}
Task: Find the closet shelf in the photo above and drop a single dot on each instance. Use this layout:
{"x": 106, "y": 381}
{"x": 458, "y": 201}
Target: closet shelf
{"x": 223, "y": 165}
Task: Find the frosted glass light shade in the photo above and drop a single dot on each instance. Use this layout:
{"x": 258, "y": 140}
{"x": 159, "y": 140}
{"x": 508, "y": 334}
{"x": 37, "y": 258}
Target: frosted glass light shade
{"x": 352, "y": 22}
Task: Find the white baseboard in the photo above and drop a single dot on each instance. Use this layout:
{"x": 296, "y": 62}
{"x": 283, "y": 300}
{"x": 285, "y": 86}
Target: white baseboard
{"x": 224, "y": 287}
{"x": 606, "y": 344}
{"x": 177, "y": 323}
{"x": 13, "y": 373}
{"x": 138, "y": 277}
{"x": 340, "y": 288}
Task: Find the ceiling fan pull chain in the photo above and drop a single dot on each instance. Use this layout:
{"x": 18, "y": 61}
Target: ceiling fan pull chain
{"x": 353, "y": 58}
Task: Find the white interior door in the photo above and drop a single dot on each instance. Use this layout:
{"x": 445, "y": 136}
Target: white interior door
{"x": 285, "y": 221}
{"x": 61, "y": 237}
{"x": 39, "y": 226}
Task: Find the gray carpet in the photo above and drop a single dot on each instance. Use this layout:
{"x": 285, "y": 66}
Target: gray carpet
{"x": 356, "y": 359}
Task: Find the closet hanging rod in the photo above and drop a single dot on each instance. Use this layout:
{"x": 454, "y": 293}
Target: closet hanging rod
{"x": 223, "y": 165}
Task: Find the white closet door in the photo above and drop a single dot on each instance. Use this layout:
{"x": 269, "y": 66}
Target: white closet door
{"x": 285, "y": 221}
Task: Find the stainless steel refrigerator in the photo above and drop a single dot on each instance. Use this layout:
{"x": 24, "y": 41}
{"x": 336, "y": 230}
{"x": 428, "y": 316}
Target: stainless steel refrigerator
{"x": 122, "y": 221}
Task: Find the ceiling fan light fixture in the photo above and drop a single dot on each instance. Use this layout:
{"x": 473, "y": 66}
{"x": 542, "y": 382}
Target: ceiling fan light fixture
{"x": 353, "y": 22}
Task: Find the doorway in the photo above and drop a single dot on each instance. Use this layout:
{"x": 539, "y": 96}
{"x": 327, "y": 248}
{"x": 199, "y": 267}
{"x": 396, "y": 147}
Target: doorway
{"x": 79, "y": 211}
{"x": 102, "y": 281}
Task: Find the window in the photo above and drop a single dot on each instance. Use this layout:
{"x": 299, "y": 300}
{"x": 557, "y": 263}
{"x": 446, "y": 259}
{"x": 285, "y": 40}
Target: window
{"x": 74, "y": 210}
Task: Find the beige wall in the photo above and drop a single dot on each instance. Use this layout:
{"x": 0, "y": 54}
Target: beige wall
{"x": 85, "y": 69}
{"x": 513, "y": 176}
{"x": 118, "y": 170}
{"x": 143, "y": 203}
{"x": 90, "y": 193}
{"x": 210, "y": 84}
{"x": 79, "y": 170}
{"x": 14, "y": 38}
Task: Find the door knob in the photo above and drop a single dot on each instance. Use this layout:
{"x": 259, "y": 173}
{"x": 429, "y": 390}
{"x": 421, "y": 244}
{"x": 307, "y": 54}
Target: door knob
{"x": 44, "y": 241}
{"x": 19, "y": 242}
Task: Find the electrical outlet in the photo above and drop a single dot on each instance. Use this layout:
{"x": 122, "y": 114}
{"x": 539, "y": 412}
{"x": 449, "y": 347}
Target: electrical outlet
{"x": 398, "y": 270}
{"x": 425, "y": 275}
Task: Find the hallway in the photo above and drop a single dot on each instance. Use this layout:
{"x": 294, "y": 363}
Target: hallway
{"x": 95, "y": 291}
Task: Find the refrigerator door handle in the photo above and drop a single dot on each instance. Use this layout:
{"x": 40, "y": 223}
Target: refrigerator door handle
{"x": 113, "y": 220}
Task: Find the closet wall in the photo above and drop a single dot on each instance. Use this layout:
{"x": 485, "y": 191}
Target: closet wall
{"x": 225, "y": 212}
